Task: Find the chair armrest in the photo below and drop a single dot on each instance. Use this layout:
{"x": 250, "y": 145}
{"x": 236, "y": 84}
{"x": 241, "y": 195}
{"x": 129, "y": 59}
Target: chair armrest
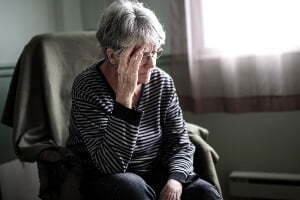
{"x": 198, "y": 130}
{"x": 59, "y": 173}
{"x": 50, "y": 155}
{"x": 205, "y": 156}
{"x": 197, "y": 134}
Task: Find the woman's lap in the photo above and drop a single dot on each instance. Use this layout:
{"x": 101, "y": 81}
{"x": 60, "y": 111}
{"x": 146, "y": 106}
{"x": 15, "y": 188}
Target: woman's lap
{"x": 117, "y": 186}
{"x": 131, "y": 186}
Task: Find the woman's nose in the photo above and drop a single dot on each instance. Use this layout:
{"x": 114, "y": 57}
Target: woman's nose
{"x": 149, "y": 61}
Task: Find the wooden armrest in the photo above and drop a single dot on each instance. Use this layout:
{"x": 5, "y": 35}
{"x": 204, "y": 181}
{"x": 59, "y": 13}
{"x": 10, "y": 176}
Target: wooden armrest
{"x": 55, "y": 154}
{"x": 54, "y": 168}
{"x": 50, "y": 155}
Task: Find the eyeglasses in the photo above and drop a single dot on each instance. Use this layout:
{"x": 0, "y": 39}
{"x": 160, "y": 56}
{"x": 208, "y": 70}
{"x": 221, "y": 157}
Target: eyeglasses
{"x": 156, "y": 54}
{"x": 153, "y": 55}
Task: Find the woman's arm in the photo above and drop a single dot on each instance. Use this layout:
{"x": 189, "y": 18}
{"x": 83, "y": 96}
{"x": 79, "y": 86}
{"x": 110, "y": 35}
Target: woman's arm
{"x": 109, "y": 131}
{"x": 178, "y": 151}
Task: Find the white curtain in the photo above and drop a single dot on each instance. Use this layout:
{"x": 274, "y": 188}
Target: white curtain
{"x": 209, "y": 83}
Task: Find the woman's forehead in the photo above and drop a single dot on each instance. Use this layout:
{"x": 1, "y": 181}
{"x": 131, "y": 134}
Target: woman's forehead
{"x": 152, "y": 47}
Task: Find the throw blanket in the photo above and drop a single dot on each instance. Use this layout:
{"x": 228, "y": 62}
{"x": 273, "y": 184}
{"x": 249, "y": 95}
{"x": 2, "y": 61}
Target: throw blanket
{"x": 38, "y": 101}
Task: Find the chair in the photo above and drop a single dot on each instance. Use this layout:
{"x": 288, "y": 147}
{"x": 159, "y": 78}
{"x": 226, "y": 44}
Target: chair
{"x": 38, "y": 107}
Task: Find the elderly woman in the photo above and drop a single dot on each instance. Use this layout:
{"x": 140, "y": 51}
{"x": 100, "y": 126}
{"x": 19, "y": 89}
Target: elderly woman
{"x": 126, "y": 125}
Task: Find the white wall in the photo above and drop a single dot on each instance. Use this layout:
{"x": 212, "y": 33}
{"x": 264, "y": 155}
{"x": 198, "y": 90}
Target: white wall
{"x": 22, "y": 19}
{"x": 67, "y": 15}
{"x": 19, "y": 21}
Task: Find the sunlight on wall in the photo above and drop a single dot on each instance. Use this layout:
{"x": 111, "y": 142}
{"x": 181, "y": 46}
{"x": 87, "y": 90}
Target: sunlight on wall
{"x": 251, "y": 26}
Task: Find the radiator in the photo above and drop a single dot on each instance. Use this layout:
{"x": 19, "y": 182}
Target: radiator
{"x": 261, "y": 185}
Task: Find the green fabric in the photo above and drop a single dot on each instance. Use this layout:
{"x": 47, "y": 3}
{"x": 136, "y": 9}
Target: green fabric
{"x": 205, "y": 156}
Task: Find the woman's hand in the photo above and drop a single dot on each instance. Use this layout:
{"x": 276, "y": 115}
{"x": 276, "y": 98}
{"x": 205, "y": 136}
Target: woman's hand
{"x": 171, "y": 191}
{"x": 128, "y": 68}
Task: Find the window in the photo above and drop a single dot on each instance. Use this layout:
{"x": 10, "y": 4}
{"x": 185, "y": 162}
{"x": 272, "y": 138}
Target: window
{"x": 237, "y": 27}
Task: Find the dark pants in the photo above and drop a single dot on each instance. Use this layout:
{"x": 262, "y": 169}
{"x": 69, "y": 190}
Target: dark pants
{"x": 129, "y": 186}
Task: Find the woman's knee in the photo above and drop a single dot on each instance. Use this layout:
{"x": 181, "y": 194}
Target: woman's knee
{"x": 132, "y": 187}
{"x": 128, "y": 180}
{"x": 202, "y": 189}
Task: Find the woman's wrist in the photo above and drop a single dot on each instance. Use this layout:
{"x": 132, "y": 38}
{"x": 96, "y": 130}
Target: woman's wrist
{"x": 125, "y": 101}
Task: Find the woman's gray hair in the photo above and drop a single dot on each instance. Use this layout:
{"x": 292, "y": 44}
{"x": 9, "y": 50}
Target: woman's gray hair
{"x": 127, "y": 22}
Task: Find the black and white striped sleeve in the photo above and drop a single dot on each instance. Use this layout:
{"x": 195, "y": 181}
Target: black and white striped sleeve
{"x": 178, "y": 151}
{"x": 109, "y": 135}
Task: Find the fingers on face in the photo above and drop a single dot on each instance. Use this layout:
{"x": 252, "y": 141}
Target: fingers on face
{"x": 137, "y": 56}
{"x": 125, "y": 55}
{"x": 133, "y": 55}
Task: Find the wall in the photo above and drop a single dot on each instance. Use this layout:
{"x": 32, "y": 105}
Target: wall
{"x": 263, "y": 142}
{"x": 91, "y": 11}
{"x": 19, "y": 21}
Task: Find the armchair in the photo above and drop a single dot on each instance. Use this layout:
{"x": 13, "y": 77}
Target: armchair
{"x": 38, "y": 107}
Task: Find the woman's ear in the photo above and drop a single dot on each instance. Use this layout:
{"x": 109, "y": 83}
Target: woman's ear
{"x": 111, "y": 56}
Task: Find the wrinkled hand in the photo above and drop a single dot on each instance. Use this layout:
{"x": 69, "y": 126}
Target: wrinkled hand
{"x": 171, "y": 191}
{"x": 128, "y": 74}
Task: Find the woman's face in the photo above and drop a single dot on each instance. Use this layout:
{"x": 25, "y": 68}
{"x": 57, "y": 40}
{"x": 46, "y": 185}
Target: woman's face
{"x": 147, "y": 64}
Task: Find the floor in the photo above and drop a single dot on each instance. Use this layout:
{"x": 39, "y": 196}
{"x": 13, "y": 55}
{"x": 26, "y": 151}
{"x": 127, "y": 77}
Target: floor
{"x": 18, "y": 181}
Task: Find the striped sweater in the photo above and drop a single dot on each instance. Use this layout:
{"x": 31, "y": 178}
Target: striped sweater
{"x": 112, "y": 138}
